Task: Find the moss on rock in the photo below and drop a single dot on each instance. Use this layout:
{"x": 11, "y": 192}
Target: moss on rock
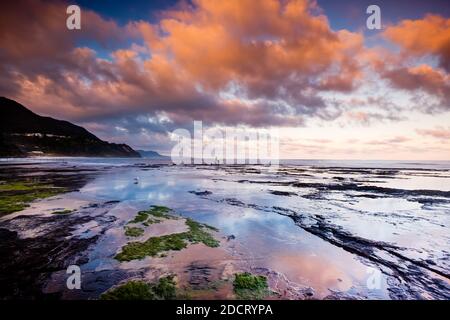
{"x": 248, "y": 286}
{"x": 164, "y": 289}
{"x": 177, "y": 241}
{"x": 16, "y": 196}
{"x": 133, "y": 231}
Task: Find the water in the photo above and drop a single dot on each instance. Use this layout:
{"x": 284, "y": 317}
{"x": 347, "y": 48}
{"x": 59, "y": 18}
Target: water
{"x": 410, "y": 164}
{"x": 402, "y": 232}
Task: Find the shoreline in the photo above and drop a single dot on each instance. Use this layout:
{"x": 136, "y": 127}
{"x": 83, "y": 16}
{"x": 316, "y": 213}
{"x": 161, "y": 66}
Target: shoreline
{"x": 93, "y": 218}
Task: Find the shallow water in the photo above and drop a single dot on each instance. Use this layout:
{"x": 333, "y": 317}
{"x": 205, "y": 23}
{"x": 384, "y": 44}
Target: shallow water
{"x": 405, "y": 237}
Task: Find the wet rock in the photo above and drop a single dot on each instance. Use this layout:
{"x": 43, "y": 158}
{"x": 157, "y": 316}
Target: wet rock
{"x": 111, "y": 202}
{"x": 308, "y": 293}
{"x": 199, "y": 275}
{"x": 231, "y": 237}
{"x": 228, "y": 271}
{"x": 415, "y": 276}
{"x": 282, "y": 193}
{"x": 53, "y": 247}
{"x": 201, "y": 193}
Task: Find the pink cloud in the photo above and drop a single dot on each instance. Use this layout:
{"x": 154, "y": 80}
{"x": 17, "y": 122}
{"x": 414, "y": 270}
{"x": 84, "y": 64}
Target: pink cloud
{"x": 427, "y": 36}
{"x": 438, "y": 133}
{"x": 217, "y": 61}
{"x": 275, "y": 62}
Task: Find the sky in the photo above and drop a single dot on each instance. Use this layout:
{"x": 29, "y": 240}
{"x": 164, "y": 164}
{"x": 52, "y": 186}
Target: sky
{"x": 312, "y": 70}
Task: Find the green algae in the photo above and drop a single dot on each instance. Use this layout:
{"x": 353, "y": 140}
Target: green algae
{"x": 247, "y": 286}
{"x": 134, "y": 231}
{"x": 177, "y": 241}
{"x": 16, "y": 196}
{"x": 147, "y": 217}
{"x": 164, "y": 289}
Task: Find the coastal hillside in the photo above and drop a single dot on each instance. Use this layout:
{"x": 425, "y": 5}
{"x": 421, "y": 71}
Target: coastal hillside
{"x": 24, "y": 133}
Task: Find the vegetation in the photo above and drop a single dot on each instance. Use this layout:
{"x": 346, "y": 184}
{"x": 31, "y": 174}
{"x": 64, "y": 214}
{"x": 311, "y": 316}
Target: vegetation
{"x": 160, "y": 212}
{"x": 209, "y": 227}
{"x": 53, "y": 137}
{"x": 151, "y": 221}
{"x": 16, "y": 196}
{"x": 16, "y": 186}
{"x": 203, "y": 292}
{"x": 196, "y": 234}
{"x": 151, "y": 247}
{"x": 134, "y": 231}
{"x": 165, "y": 289}
{"x": 155, "y": 211}
{"x": 177, "y": 241}
{"x": 140, "y": 217}
{"x": 248, "y": 286}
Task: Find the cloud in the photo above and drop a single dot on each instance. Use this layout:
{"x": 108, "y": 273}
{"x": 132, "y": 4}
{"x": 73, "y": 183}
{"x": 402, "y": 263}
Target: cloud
{"x": 269, "y": 52}
{"x": 390, "y": 141}
{"x": 422, "y": 78}
{"x": 438, "y": 133}
{"x": 367, "y": 118}
{"x": 427, "y": 36}
{"x": 220, "y": 62}
{"x": 40, "y": 60}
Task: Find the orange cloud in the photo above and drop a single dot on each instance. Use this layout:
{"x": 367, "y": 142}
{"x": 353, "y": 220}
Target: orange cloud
{"x": 423, "y": 77}
{"x": 427, "y": 37}
{"x": 278, "y": 47}
{"x": 217, "y": 61}
{"x": 430, "y": 35}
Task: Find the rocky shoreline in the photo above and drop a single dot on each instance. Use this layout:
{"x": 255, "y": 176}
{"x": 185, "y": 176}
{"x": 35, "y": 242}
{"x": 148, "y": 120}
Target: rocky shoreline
{"x": 124, "y": 243}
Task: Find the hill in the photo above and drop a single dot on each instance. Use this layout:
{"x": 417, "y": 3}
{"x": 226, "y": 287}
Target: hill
{"x": 25, "y": 133}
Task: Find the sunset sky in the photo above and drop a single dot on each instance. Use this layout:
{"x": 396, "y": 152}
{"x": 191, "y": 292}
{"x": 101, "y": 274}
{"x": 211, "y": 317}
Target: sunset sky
{"x": 137, "y": 70}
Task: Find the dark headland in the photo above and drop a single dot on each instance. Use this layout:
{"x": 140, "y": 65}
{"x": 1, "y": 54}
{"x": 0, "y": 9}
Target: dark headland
{"x": 24, "y": 133}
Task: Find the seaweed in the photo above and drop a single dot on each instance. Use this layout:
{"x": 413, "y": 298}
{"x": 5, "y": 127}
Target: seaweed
{"x": 177, "y": 241}
{"x": 247, "y": 286}
{"x": 16, "y": 196}
{"x": 140, "y": 217}
{"x": 155, "y": 211}
{"x": 164, "y": 289}
{"x": 134, "y": 231}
